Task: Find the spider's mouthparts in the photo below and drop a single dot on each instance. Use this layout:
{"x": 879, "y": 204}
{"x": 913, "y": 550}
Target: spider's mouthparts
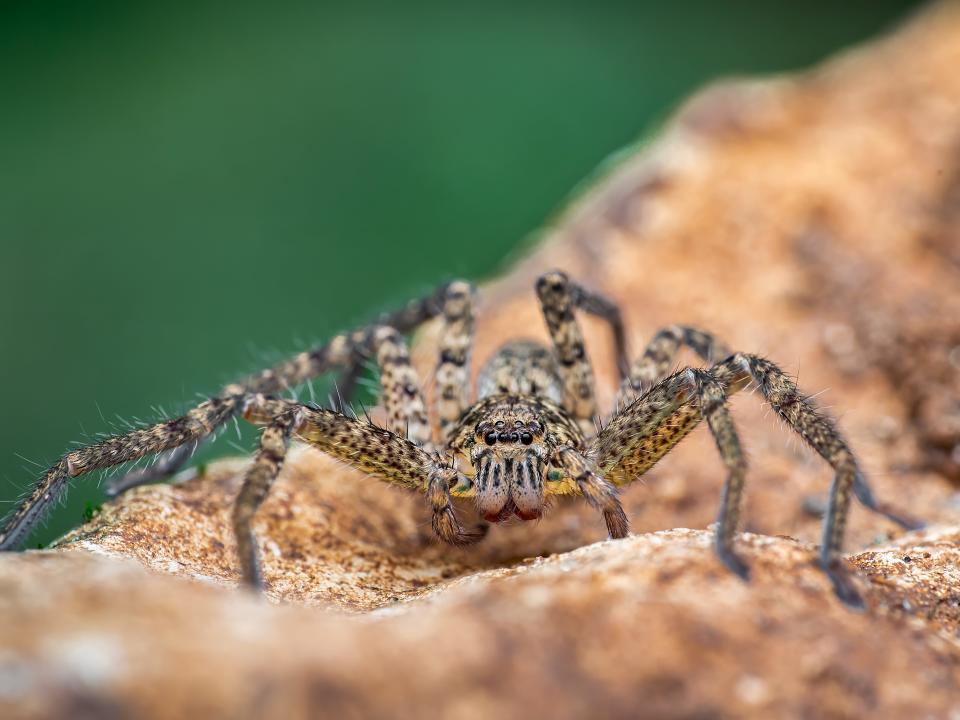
{"x": 510, "y": 486}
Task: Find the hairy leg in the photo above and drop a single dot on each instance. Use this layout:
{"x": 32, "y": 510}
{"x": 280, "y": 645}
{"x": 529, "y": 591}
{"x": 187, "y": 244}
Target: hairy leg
{"x": 821, "y": 433}
{"x": 259, "y": 478}
{"x": 660, "y": 355}
{"x": 347, "y": 350}
{"x": 396, "y": 460}
{"x": 402, "y": 397}
{"x": 190, "y": 428}
{"x": 559, "y": 296}
{"x": 168, "y": 463}
{"x": 596, "y": 490}
{"x": 712, "y": 400}
{"x": 644, "y": 431}
{"x": 405, "y": 320}
{"x": 453, "y": 367}
{"x": 376, "y": 451}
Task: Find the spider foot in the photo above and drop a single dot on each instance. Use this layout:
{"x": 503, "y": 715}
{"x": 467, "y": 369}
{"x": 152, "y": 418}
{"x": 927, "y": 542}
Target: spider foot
{"x": 843, "y": 585}
{"x": 864, "y": 493}
{"x": 448, "y": 528}
{"x": 618, "y": 526}
{"x": 252, "y": 575}
{"x": 733, "y": 562}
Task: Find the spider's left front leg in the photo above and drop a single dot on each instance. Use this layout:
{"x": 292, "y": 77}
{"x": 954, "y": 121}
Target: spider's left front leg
{"x": 597, "y": 491}
{"x": 643, "y": 432}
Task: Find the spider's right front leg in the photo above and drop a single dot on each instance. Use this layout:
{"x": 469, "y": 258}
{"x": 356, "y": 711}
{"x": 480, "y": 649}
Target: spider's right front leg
{"x": 362, "y": 445}
{"x": 395, "y": 460}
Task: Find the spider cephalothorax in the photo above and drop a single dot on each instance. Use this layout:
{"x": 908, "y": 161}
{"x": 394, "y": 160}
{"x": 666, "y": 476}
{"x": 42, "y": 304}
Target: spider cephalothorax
{"x": 527, "y": 436}
{"x": 509, "y": 451}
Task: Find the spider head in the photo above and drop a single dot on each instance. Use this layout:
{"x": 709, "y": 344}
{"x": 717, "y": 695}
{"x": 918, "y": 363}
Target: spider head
{"x": 509, "y": 458}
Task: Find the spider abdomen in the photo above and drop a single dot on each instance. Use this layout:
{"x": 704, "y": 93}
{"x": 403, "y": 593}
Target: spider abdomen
{"x": 521, "y": 367}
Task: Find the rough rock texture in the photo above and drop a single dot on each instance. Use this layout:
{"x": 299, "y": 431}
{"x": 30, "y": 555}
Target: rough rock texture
{"x": 812, "y": 219}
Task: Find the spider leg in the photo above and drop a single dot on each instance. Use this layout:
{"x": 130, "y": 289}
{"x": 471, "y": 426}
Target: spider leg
{"x": 453, "y": 303}
{"x": 712, "y": 399}
{"x": 401, "y": 394}
{"x": 196, "y": 424}
{"x": 170, "y": 462}
{"x": 821, "y": 433}
{"x": 405, "y": 320}
{"x": 376, "y": 451}
{"x": 660, "y": 354}
{"x": 401, "y": 386}
{"x": 396, "y": 460}
{"x": 452, "y": 393}
{"x": 274, "y": 439}
{"x": 659, "y": 357}
{"x": 403, "y": 401}
{"x": 644, "y": 431}
{"x": 596, "y": 490}
{"x": 559, "y": 296}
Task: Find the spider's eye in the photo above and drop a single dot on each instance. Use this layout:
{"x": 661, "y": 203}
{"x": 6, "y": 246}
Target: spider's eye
{"x": 490, "y": 438}
{"x": 526, "y": 438}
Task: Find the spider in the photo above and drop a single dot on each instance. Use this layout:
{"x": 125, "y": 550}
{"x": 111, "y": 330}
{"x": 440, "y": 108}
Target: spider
{"x": 527, "y": 436}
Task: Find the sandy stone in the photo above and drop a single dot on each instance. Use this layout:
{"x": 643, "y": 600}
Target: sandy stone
{"x": 811, "y": 219}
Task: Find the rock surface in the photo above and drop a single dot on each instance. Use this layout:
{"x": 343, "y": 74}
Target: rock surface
{"x": 812, "y": 219}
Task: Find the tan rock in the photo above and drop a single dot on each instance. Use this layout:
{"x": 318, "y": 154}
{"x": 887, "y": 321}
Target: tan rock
{"x": 811, "y": 219}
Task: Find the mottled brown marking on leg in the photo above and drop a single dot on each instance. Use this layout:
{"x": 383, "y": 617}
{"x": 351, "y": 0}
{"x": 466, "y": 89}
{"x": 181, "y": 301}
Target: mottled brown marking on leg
{"x": 455, "y": 348}
{"x": 821, "y": 433}
{"x": 660, "y": 355}
{"x": 196, "y": 424}
{"x": 555, "y": 292}
{"x": 597, "y": 491}
{"x": 711, "y": 398}
{"x": 259, "y": 479}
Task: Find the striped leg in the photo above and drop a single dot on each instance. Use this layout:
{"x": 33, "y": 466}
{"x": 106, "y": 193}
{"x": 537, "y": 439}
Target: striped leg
{"x": 169, "y": 463}
{"x": 375, "y": 451}
{"x": 395, "y": 460}
{"x": 347, "y": 351}
{"x": 559, "y": 296}
{"x": 192, "y": 427}
{"x": 403, "y": 400}
{"x": 821, "y": 433}
{"x": 453, "y": 367}
{"x": 643, "y": 432}
{"x": 596, "y": 490}
{"x": 266, "y": 465}
{"x": 405, "y": 320}
{"x": 660, "y": 355}
{"x": 712, "y": 399}
{"x": 401, "y": 395}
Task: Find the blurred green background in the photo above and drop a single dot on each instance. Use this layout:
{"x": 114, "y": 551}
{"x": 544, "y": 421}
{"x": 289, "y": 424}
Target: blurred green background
{"x": 191, "y": 190}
